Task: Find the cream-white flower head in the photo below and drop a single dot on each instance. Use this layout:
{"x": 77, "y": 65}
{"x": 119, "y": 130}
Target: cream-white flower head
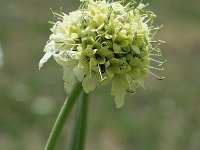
{"x": 104, "y": 42}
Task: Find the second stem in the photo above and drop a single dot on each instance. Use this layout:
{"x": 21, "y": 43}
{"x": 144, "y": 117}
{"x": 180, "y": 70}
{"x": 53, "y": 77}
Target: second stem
{"x": 79, "y": 131}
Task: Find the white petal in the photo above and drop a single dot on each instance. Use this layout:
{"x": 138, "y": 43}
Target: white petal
{"x": 119, "y": 99}
{"x": 59, "y": 59}
{"x": 69, "y": 79}
{"x": 44, "y": 59}
{"x": 118, "y": 90}
{"x": 79, "y": 73}
{"x": 117, "y": 85}
{"x": 50, "y": 46}
{"x": 89, "y": 84}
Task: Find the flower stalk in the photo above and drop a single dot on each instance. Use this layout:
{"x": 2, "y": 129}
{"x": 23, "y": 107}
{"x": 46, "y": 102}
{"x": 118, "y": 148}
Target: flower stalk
{"x": 79, "y": 131}
{"x": 63, "y": 116}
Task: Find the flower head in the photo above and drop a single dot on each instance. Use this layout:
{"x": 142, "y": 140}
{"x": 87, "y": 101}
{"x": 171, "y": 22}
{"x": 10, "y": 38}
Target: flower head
{"x": 105, "y": 42}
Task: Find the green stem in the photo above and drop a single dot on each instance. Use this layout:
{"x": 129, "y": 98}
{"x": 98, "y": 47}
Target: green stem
{"x": 79, "y": 131}
{"x": 83, "y": 128}
{"x": 62, "y": 117}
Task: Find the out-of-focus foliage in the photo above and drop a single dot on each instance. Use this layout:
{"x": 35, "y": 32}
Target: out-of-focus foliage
{"x": 164, "y": 116}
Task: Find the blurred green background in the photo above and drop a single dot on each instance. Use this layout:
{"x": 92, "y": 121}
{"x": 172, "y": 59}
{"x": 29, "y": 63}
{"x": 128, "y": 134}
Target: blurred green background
{"x": 164, "y": 116}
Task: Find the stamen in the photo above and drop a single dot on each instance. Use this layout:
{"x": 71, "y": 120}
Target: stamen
{"x": 52, "y": 12}
{"x": 58, "y": 14}
{"x": 51, "y": 22}
{"x": 160, "y": 69}
{"x": 152, "y": 41}
{"x": 147, "y": 21}
{"x": 155, "y": 49}
{"x": 155, "y": 55}
{"x": 163, "y": 42}
{"x": 158, "y": 29}
{"x": 100, "y": 72}
{"x": 99, "y": 36}
{"x": 102, "y": 78}
{"x": 160, "y": 62}
{"x": 157, "y": 45}
{"x": 159, "y": 78}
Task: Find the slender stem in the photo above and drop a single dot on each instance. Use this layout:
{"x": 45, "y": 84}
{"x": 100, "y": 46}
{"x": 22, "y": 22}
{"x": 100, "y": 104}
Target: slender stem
{"x": 79, "y": 131}
{"x": 83, "y": 128}
{"x": 62, "y": 117}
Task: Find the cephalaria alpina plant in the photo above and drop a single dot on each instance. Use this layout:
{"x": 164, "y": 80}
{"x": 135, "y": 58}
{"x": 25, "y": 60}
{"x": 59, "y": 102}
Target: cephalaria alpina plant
{"x": 105, "y": 42}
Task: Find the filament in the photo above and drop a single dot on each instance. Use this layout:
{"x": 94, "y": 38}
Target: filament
{"x": 159, "y": 78}
{"x": 155, "y": 68}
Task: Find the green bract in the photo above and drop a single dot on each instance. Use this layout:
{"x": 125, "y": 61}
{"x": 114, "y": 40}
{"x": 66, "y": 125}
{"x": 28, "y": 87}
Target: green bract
{"x": 105, "y": 42}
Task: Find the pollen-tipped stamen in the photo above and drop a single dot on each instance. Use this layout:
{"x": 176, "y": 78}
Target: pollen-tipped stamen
{"x": 158, "y": 77}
